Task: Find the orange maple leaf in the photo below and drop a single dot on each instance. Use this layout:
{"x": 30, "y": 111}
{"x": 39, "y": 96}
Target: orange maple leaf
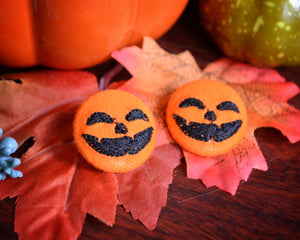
{"x": 157, "y": 74}
{"x": 58, "y": 187}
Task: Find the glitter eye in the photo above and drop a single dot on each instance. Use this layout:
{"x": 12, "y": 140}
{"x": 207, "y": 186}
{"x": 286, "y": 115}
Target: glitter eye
{"x": 228, "y": 105}
{"x": 99, "y": 117}
{"x": 191, "y": 102}
{"x": 136, "y": 114}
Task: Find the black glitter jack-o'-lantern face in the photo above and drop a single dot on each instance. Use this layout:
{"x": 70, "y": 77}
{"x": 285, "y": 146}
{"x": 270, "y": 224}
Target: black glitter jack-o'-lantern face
{"x": 206, "y": 117}
{"x": 119, "y": 146}
{"x": 114, "y": 131}
{"x": 208, "y": 131}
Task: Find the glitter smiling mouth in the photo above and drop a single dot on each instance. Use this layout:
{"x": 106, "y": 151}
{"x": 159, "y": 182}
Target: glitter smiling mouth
{"x": 205, "y": 132}
{"x": 117, "y": 147}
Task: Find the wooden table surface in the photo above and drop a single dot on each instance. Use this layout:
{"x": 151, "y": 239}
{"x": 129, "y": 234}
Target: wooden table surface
{"x": 267, "y": 206}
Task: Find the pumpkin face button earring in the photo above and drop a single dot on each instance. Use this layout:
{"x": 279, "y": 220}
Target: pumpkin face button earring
{"x": 114, "y": 131}
{"x": 206, "y": 117}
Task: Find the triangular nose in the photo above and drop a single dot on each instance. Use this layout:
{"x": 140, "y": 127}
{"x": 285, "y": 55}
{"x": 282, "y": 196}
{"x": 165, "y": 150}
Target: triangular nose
{"x": 120, "y": 128}
{"x": 210, "y": 116}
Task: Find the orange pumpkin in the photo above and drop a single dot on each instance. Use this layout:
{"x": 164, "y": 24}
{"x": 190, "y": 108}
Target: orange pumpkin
{"x": 206, "y": 117}
{"x": 74, "y": 34}
{"x": 114, "y": 131}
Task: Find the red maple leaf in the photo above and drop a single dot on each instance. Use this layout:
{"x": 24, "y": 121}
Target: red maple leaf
{"x": 58, "y": 187}
{"x": 265, "y": 94}
{"x": 157, "y": 74}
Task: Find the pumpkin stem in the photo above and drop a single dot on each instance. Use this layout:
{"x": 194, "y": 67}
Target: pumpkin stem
{"x": 109, "y": 76}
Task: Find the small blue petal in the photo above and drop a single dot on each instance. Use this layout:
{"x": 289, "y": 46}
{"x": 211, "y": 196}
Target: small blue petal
{"x": 14, "y": 173}
{"x": 15, "y": 162}
{"x": 19, "y": 174}
{"x": 8, "y": 171}
{"x": 3, "y": 163}
{"x": 2, "y": 176}
{"x": 8, "y": 145}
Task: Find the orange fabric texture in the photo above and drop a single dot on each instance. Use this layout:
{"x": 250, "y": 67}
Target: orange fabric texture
{"x": 114, "y": 131}
{"x": 206, "y": 117}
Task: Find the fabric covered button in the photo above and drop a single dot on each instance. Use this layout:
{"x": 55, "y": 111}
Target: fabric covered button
{"x": 114, "y": 131}
{"x": 206, "y": 117}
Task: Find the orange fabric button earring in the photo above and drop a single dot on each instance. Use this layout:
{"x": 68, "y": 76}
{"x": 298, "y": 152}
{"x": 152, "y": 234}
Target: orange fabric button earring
{"x": 114, "y": 131}
{"x": 206, "y": 117}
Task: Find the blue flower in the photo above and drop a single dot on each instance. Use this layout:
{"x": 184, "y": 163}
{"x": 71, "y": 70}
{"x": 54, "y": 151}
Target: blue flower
{"x": 8, "y": 145}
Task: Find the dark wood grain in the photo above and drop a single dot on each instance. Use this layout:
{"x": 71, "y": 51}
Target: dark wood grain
{"x": 267, "y": 206}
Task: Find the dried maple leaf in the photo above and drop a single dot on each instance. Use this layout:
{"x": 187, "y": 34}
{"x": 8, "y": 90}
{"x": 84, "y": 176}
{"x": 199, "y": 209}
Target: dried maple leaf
{"x": 58, "y": 187}
{"x": 157, "y": 74}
